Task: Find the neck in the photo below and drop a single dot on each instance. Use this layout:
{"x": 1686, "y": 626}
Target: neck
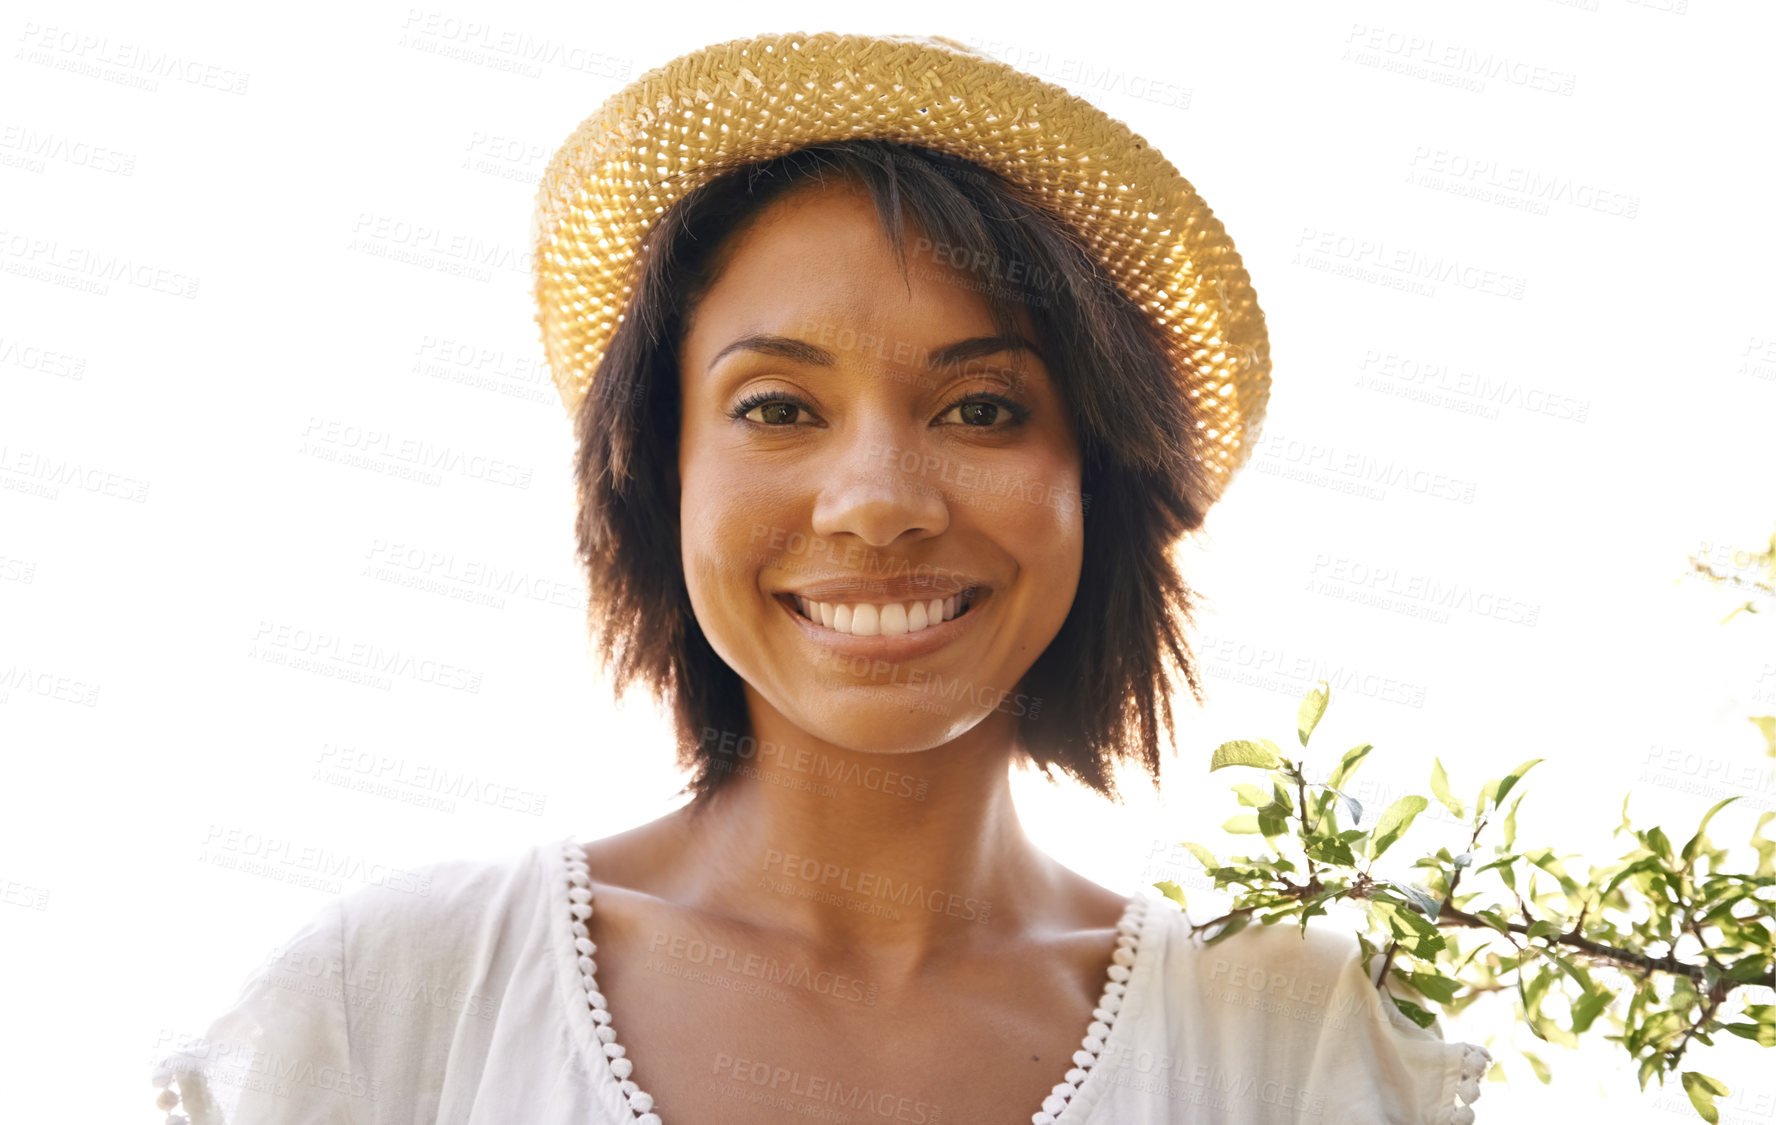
{"x": 902, "y": 856}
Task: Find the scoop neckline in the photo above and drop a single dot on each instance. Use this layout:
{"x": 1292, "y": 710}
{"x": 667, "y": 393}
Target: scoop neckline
{"x": 610, "y": 1062}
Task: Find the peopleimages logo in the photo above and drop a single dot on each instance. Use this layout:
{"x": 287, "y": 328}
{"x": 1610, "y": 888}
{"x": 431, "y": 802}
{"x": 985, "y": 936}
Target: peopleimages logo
{"x": 284, "y": 643}
{"x": 405, "y": 774}
{"x": 697, "y": 952}
{"x": 372, "y": 446}
{"x": 523, "y": 53}
{"x": 1424, "y": 56}
{"x": 130, "y": 64}
{"x": 272, "y": 850}
{"x": 766, "y": 1084}
{"x": 816, "y": 764}
{"x": 1373, "y": 259}
{"x": 47, "y": 259}
{"x": 872, "y": 885}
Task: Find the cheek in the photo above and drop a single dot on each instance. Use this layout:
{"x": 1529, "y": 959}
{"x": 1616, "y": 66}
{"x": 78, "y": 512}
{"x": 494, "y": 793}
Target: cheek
{"x": 1041, "y": 520}
{"x": 730, "y": 526}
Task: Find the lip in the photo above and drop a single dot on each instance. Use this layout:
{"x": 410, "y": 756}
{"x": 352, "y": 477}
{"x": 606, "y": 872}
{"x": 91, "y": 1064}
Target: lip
{"x": 905, "y": 646}
{"x": 884, "y": 590}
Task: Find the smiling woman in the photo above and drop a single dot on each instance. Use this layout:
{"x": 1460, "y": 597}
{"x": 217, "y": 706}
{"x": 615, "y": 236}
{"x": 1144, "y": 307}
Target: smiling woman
{"x": 891, "y": 401}
{"x": 799, "y": 322}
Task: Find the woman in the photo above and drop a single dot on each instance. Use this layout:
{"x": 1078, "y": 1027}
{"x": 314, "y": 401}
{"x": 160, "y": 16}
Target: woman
{"x": 886, "y": 426}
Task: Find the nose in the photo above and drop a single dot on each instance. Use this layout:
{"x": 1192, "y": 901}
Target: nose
{"x": 881, "y": 491}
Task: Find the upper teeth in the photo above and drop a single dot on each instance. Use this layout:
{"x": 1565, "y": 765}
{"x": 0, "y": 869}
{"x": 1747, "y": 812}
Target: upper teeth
{"x": 866, "y": 619}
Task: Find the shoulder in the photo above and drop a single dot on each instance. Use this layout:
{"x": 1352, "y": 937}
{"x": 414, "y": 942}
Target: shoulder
{"x": 438, "y": 898}
{"x": 448, "y": 942}
{"x": 365, "y": 985}
{"x": 1317, "y": 964}
{"x": 1325, "y": 1033}
{"x": 1276, "y": 959}
{"x": 418, "y": 924}
{"x": 1271, "y": 975}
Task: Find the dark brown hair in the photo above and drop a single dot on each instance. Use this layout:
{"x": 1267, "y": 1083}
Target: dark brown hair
{"x": 1104, "y": 681}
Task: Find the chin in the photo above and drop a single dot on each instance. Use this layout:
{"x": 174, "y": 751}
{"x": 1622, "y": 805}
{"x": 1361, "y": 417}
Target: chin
{"x": 897, "y": 720}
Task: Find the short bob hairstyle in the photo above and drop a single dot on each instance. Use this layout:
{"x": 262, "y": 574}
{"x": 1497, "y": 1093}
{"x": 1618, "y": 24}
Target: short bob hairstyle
{"x": 1103, "y": 684}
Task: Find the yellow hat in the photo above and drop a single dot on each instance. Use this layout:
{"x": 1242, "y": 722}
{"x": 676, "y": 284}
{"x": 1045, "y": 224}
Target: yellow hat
{"x": 680, "y": 125}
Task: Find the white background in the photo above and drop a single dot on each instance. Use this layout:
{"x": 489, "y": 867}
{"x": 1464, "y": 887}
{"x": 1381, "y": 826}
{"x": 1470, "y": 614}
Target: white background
{"x": 1596, "y": 428}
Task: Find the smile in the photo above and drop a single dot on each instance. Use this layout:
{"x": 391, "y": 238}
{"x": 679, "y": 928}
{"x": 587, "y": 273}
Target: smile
{"x": 892, "y": 619}
{"x": 954, "y": 617}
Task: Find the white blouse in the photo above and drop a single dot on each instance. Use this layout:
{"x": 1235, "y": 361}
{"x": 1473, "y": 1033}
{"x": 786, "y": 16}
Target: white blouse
{"x": 470, "y": 996}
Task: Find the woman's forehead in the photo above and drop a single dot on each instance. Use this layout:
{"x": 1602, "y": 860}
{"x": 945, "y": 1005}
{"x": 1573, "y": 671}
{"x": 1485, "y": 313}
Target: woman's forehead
{"x": 819, "y": 265}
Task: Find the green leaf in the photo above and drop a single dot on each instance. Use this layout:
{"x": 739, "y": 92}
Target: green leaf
{"x": 1394, "y": 822}
{"x": 1765, "y": 848}
{"x": 1368, "y": 950}
{"x": 1329, "y": 849}
{"x": 1648, "y": 1067}
{"x": 1689, "y": 849}
{"x": 1413, "y": 1012}
{"x": 1280, "y": 797}
{"x": 1440, "y": 789}
{"x": 1542, "y": 1073}
{"x": 1766, "y": 725}
{"x": 1763, "y": 1034}
{"x": 1264, "y": 754}
{"x": 1348, "y": 765}
{"x": 1172, "y": 891}
{"x": 1234, "y": 926}
{"x": 1424, "y": 902}
{"x": 1203, "y": 855}
{"x": 1242, "y": 824}
{"x": 1313, "y": 705}
{"x": 1588, "y": 1007}
{"x": 1657, "y": 843}
{"x": 1513, "y": 778}
{"x": 1644, "y": 863}
{"x": 1437, "y": 987}
{"x": 1702, "y": 1091}
{"x": 1511, "y": 822}
{"x": 1272, "y": 822}
{"x": 1507, "y": 872}
{"x": 1251, "y": 795}
{"x": 1354, "y": 807}
{"x": 1414, "y": 931}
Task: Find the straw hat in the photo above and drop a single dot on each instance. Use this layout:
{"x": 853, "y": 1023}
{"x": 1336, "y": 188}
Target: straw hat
{"x": 682, "y": 124}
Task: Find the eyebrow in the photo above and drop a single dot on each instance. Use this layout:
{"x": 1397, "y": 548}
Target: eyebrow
{"x": 788, "y": 347}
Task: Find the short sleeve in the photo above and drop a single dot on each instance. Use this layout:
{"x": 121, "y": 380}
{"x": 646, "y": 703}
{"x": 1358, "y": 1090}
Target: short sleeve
{"x": 281, "y": 1054}
{"x": 1437, "y": 1078}
{"x": 1299, "y": 1016}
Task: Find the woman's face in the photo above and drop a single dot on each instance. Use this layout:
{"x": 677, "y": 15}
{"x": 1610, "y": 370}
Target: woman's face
{"x": 820, "y": 455}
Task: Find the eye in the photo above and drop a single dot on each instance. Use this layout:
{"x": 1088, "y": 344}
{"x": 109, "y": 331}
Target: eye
{"x": 979, "y": 411}
{"x": 982, "y": 411}
{"x": 774, "y": 408}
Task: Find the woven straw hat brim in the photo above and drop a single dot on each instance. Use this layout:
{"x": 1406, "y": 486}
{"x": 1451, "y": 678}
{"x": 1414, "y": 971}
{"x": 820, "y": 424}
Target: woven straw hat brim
{"x": 682, "y": 124}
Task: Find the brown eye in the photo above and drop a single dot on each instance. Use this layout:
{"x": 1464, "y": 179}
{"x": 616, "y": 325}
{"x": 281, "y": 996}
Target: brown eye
{"x": 775, "y": 413}
{"x": 987, "y": 412}
{"x": 775, "y": 410}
